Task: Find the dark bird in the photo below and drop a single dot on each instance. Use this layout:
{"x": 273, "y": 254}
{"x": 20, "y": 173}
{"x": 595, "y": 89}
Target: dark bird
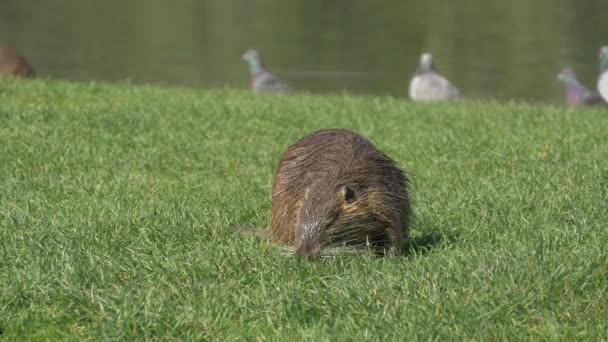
{"x": 13, "y": 64}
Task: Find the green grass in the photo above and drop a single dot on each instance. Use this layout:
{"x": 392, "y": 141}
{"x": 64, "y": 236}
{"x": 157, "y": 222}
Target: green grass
{"x": 116, "y": 207}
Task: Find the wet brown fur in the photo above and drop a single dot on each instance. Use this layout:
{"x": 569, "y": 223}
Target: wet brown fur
{"x": 333, "y": 188}
{"x": 11, "y": 63}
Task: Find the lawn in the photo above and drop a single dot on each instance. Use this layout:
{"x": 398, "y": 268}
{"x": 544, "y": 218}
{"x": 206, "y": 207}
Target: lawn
{"x": 117, "y": 204}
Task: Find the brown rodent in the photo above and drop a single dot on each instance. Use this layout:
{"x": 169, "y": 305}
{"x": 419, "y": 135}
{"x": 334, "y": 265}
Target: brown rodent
{"x": 11, "y": 63}
{"x": 335, "y": 188}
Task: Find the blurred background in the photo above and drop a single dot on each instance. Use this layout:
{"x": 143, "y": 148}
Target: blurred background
{"x": 489, "y": 49}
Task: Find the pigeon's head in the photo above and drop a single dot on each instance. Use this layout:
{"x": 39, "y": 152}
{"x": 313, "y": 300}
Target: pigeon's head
{"x": 251, "y": 56}
{"x": 566, "y": 75}
{"x": 426, "y": 62}
{"x": 604, "y": 58}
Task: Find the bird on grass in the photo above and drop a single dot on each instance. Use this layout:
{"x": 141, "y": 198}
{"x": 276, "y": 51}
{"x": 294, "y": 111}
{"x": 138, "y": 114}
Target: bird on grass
{"x": 602, "y": 82}
{"x": 578, "y": 94}
{"x": 262, "y": 80}
{"x": 428, "y": 85}
{"x": 13, "y": 64}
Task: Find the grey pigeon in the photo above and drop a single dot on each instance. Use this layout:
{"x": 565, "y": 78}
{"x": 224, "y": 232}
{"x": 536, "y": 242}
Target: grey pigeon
{"x": 602, "y": 82}
{"x": 262, "y": 80}
{"x": 576, "y": 93}
{"x": 428, "y": 85}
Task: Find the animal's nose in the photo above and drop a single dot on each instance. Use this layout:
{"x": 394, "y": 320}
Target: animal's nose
{"x": 308, "y": 250}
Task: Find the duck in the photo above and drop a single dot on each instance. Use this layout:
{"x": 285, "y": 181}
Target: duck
{"x": 262, "y": 80}
{"x": 13, "y": 64}
{"x": 578, "y": 94}
{"x": 428, "y": 85}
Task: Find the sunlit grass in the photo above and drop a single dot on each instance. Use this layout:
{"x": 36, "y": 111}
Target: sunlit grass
{"x": 117, "y": 202}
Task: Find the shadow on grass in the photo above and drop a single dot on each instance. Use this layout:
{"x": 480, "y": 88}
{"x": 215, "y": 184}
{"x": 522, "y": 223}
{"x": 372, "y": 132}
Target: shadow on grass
{"x": 427, "y": 242}
{"x": 416, "y": 246}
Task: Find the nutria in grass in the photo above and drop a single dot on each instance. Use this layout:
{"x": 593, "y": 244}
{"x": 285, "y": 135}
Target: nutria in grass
{"x": 334, "y": 188}
{"x": 11, "y": 63}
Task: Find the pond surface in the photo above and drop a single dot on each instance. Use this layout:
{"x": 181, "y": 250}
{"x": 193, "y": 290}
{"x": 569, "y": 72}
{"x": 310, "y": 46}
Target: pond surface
{"x": 499, "y": 49}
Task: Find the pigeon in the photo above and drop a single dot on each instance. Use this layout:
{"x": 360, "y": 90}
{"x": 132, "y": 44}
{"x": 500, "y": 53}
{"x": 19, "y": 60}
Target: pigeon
{"x": 576, "y": 93}
{"x": 13, "y": 64}
{"x": 428, "y": 85}
{"x": 262, "y": 80}
{"x": 602, "y": 82}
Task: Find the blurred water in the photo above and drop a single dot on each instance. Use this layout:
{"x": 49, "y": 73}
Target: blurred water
{"x": 503, "y": 50}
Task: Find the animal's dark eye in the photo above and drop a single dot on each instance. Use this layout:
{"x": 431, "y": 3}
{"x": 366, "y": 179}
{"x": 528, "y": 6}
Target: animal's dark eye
{"x": 349, "y": 194}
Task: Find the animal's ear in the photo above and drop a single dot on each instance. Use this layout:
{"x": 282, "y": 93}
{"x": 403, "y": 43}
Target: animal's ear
{"x": 348, "y": 194}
